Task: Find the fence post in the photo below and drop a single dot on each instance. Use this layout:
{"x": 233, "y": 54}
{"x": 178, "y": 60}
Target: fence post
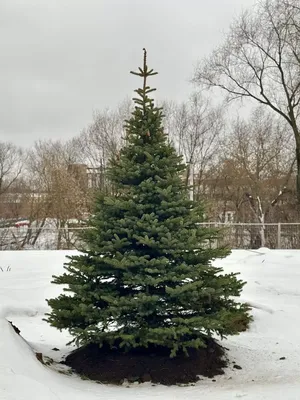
{"x": 279, "y": 236}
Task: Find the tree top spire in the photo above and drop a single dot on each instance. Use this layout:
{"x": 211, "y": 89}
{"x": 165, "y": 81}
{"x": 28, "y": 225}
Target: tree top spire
{"x": 144, "y": 72}
{"x": 143, "y": 92}
{"x": 145, "y": 58}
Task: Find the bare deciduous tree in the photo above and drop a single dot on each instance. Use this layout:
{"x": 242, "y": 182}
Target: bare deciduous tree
{"x": 260, "y": 60}
{"x": 11, "y": 163}
{"x": 103, "y": 137}
{"x": 257, "y": 169}
{"x": 195, "y": 128}
{"x": 59, "y": 190}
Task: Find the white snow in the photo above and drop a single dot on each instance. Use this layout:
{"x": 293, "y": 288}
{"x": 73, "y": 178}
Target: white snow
{"x": 273, "y": 290}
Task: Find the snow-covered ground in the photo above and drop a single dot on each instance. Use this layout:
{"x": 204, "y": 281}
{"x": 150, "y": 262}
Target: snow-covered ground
{"x": 273, "y": 290}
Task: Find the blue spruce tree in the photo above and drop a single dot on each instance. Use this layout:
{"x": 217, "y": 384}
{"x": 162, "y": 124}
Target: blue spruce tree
{"x": 145, "y": 275}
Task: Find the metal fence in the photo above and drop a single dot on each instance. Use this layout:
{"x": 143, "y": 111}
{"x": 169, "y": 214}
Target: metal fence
{"x": 39, "y": 238}
{"x": 233, "y": 235}
{"x": 255, "y": 235}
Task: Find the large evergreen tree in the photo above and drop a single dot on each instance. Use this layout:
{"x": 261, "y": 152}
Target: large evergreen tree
{"x": 145, "y": 275}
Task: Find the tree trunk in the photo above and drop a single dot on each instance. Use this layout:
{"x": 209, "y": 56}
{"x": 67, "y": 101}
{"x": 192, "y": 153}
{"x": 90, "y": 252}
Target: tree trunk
{"x": 262, "y": 232}
{"x": 297, "y": 139}
{"x": 298, "y": 170}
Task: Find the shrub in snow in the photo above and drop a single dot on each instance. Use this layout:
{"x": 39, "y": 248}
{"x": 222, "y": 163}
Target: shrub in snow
{"x": 5, "y": 269}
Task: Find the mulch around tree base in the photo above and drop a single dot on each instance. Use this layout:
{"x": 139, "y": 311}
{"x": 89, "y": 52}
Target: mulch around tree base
{"x": 107, "y": 365}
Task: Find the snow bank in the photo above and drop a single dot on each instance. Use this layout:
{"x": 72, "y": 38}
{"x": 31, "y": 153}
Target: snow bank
{"x": 269, "y": 353}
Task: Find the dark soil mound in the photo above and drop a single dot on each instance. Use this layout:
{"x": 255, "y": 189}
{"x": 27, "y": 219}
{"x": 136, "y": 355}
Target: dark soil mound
{"x": 141, "y": 365}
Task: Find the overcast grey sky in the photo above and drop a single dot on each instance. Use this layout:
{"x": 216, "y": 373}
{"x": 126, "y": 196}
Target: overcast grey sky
{"x": 61, "y": 59}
